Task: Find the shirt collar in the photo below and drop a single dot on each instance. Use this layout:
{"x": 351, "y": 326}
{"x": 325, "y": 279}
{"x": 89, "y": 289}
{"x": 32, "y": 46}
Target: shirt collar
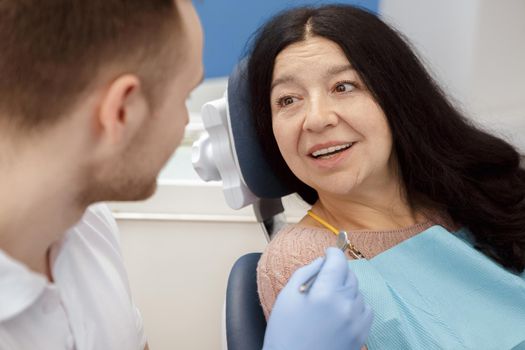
{"x": 19, "y": 287}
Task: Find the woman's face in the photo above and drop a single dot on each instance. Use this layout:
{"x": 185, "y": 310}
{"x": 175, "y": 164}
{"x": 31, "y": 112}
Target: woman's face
{"x": 329, "y": 129}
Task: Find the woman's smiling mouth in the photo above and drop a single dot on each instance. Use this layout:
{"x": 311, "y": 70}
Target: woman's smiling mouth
{"x": 329, "y": 155}
{"x": 329, "y": 152}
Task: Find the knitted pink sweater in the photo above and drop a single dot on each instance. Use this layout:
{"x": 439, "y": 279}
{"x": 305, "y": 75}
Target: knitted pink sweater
{"x": 295, "y": 246}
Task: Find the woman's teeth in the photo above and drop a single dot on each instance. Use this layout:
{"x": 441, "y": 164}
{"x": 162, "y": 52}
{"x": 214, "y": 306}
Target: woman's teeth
{"x": 330, "y": 151}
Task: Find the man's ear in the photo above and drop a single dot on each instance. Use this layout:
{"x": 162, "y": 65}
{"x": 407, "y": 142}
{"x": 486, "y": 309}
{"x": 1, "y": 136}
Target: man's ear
{"x": 122, "y": 111}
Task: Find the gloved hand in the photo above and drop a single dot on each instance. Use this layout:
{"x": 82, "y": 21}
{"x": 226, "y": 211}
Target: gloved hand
{"x": 331, "y": 316}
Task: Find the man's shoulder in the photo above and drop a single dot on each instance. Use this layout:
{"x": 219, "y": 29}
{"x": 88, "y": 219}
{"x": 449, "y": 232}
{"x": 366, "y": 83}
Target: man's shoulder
{"x": 89, "y": 264}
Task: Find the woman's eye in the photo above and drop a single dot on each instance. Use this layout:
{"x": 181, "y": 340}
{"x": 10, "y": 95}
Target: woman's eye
{"x": 286, "y": 101}
{"x": 344, "y": 87}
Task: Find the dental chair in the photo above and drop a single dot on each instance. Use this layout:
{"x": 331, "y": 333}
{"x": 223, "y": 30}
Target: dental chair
{"x": 229, "y": 151}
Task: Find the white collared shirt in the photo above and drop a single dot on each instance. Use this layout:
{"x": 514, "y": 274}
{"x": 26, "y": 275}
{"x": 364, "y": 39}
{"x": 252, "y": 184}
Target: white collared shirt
{"x": 89, "y": 305}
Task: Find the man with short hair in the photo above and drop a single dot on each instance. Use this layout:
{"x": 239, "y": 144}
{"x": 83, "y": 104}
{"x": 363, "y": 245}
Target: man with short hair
{"x": 92, "y": 105}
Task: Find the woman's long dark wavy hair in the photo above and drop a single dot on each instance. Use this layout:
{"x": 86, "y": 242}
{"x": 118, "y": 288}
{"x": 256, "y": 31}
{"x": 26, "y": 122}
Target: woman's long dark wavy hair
{"x": 443, "y": 159}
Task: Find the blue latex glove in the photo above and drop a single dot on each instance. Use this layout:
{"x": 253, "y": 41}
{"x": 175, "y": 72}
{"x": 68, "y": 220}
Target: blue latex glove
{"x": 331, "y": 316}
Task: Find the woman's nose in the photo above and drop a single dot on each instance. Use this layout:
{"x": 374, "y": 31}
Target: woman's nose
{"x": 319, "y": 115}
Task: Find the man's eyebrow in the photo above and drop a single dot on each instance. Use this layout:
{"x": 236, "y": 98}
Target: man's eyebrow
{"x": 329, "y": 73}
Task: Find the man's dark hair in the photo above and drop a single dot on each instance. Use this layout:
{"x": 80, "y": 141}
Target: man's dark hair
{"x": 52, "y": 50}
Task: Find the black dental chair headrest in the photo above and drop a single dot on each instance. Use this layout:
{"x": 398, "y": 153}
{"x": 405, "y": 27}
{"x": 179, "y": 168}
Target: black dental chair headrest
{"x": 255, "y": 169}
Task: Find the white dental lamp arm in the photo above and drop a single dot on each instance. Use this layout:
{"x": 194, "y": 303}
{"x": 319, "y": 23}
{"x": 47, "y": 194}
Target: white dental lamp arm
{"x": 214, "y": 159}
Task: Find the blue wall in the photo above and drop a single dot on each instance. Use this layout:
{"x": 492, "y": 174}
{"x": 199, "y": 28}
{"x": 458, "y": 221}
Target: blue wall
{"x": 228, "y": 24}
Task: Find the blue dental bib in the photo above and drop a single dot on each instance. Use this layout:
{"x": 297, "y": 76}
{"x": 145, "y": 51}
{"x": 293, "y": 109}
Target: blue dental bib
{"x": 435, "y": 291}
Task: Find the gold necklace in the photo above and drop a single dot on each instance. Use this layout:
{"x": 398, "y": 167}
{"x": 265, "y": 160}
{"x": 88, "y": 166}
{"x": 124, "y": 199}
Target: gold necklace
{"x": 353, "y": 250}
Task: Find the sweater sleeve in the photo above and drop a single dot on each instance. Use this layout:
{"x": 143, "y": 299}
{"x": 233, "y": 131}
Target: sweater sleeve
{"x": 293, "y": 247}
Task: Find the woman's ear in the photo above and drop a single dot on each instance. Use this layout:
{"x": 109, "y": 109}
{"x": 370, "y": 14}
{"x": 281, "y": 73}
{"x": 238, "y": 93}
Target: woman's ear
{"x": 123, "y": 110}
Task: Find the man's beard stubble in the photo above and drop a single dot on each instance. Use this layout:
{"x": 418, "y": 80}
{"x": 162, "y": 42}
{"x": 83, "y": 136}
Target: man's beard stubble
{"x": 119, "y": 186}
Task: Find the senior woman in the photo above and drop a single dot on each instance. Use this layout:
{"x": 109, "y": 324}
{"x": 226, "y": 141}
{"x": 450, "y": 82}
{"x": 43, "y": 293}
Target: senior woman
{"x": 435, "y": 207}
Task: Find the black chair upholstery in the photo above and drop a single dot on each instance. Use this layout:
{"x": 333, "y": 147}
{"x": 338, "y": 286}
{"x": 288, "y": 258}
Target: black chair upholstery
{"x": 255, "y": 169}
{"x": 245, "y": 322}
